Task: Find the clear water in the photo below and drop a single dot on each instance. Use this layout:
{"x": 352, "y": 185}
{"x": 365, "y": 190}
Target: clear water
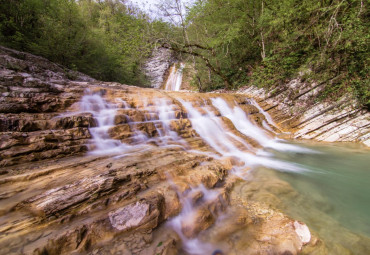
{"x": 334, "y": 195}
{"x": 331, "y": 183}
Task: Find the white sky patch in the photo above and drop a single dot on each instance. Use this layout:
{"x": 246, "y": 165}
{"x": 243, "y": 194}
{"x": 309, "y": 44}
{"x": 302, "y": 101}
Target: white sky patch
{"x": 150, "y": 6}
{"x": 147, "y": 5}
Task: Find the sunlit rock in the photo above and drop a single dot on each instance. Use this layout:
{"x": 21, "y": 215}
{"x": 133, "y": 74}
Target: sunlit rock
{"x": 195, "y": 222}
{"x": 129, "y": 217}
{"x": 303, "y": 232}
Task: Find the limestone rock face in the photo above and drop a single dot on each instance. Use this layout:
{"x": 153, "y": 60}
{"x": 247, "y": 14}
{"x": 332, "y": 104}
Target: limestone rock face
{"x": 296, "y": 109}
{"x": 33, "y": 94}
{"x": 157, "y": 65}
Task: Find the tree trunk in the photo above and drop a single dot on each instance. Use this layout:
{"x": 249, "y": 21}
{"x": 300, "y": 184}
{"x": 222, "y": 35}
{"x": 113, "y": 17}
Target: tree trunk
{"x": 263, "y": 52}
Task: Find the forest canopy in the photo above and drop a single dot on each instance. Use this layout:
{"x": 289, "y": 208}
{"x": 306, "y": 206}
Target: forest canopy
{"x": 106, "y": 39}
{"x": 268, "y": 43}
{"x": 230, "y": 43}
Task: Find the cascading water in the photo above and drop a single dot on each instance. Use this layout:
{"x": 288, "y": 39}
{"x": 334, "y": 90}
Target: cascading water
{"x": 166, "y": 113}
{"x": 241, "y": 122}
{"x": 174, "y": 80}
{"x": 267, "y": 116}
{"x": 104, "y": 114}
{"x": 210, "y": 128}
{"x": 192, "y": 245}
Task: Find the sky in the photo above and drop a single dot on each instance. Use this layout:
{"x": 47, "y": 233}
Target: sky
{"x": 150, "y": 5}
{"x": 147, "y": 5}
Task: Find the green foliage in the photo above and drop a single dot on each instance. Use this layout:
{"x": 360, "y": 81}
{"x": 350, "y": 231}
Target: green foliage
{"x": 266, "y": 43}
{"x": 106, "y": 39}
{"x": 230, "y": 43}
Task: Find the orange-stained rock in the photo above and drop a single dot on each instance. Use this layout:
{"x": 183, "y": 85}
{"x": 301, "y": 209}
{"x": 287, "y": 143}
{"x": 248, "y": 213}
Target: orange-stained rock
{"x": 172, "y": 202}
{"x": 198, "y": 221}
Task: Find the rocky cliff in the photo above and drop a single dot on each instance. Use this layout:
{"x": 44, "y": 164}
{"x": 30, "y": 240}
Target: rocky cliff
{"x": 34, "y": 93}
{"x": 157, "y": 66}
{"x": 296, "y": 108}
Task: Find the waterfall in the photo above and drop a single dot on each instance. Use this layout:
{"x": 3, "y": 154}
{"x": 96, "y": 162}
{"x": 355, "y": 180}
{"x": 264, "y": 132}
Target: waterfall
{"x": 174, "y": 80}
{"x": 223, "y": 139}
{"x": 210, "y": 128}
{"x": 241, "y": 122}
{"x": 104, "y": 114}
{"x": 166, "y": 113}
{"x": 267, "y": 116}
{"x": 187, "y": 216}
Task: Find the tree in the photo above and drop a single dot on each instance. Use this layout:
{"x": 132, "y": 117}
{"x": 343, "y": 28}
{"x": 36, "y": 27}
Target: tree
{"x": 108, "y": 40}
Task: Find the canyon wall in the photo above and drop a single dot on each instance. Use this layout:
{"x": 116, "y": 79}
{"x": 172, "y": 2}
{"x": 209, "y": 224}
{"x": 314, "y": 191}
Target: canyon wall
{"x": 296, "y": 108}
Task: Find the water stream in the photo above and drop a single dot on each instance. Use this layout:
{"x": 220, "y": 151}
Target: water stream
{"x": 104, "y": 114}
{"x": 332, "y": 197}
{"x": 331, "y": 184}
{"x": 338, "y": 184}
{"x": 174, "y": 80}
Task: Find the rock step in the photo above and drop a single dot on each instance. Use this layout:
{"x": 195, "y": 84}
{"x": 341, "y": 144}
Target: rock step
{"x": 26, "y": 122}
{"x": 135, "y": 115}
{"x": 18, "y": 147}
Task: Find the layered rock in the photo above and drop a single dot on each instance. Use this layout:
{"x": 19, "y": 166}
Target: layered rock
{"x": 296, "y": 108}
{"x": 34, "y": 94}
{"x": 161, "y": 170}
{"x": 157, "y": 66}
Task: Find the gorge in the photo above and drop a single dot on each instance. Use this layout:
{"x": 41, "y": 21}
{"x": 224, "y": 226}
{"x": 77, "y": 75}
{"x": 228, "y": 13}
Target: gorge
{"x": 91, "y": 167}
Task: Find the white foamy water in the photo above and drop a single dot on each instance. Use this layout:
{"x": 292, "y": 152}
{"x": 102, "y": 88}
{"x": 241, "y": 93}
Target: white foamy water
{"x": 104, "y": 113}
{"x": 267, "y": 116}
{"x": 166, "y": 113}
{"x": 187, "y": 216}
{"x": 174, "y": 80}
{"x": 241, "y": 122}
{"x": 160, "y": 113}
{"x": 210, "y": 128}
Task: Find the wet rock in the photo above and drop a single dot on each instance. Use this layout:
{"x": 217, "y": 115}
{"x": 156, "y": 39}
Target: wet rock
{"x": 198, "y": 221}
{"x": 168, "y": 247}
{"x": 57, "y": 200}
{"x": 172, "y": 203}
{"x": 66, "y": 242}
{"x": 249, "y": 109}
{"x": 35, "y": 93}
{"x": 120, "y": 132}
{"x": 207, "y": 178}
{"x": 83, "y": 120}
